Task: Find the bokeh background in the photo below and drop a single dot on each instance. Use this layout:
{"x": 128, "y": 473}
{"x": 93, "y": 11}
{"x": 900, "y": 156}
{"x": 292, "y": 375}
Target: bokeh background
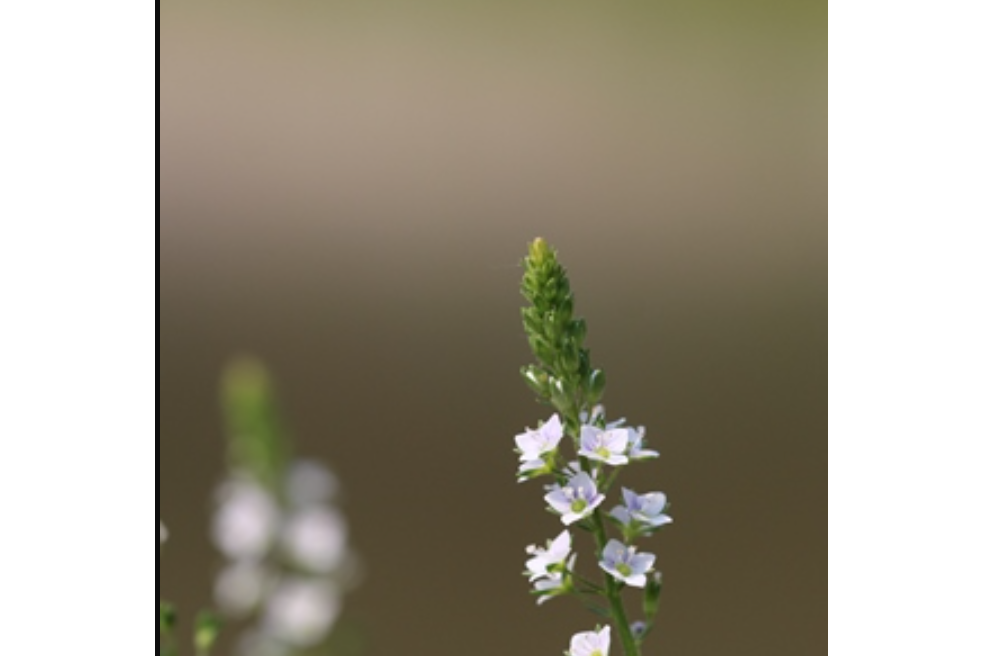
{"x": 347, "y": 190}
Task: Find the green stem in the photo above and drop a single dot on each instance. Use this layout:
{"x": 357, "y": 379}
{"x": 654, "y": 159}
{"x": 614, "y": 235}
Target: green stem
{"x": 613, "y": 594}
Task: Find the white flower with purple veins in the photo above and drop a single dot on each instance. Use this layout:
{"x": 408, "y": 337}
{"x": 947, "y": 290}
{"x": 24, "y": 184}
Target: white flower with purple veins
{"x": 645, "y": 509}
{"x": 550, "y": 561}
{"x": 626, "y": 564}
{"x": 590, "y": 643}
{"x": 575, "y": 500}
{"x": 607, "y": 446}
{"x": 635, "y": 445}
{"x": 533, "y": 444}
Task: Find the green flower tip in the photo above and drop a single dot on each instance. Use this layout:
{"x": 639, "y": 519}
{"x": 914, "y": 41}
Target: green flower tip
{"x": 246, "y": 379}
{"x": 256, "y": 443}
{"x": 540, "y": 251}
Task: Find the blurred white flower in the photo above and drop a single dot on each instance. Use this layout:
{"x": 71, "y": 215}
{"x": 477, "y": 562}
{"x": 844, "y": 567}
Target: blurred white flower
{"x": 287, "y": 559}
{"x": 163, "y": 532}
{"x": 245, "y": 524}
{"x": 315, "y": 538}
{"x": 240, "y": 587}
{"x": 301, "y": 612}
{"x": 309, "y": 482}
{"x": 257, "y": 643}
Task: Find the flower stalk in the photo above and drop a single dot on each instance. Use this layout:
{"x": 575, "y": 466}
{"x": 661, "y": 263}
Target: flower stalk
{"x": 564, "y": 378}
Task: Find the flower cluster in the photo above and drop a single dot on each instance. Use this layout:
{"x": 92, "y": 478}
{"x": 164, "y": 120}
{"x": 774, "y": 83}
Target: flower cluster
{"x": 583, "y": 480}
{"x": 578, "y": 494}
{"x": 287, "y": 562}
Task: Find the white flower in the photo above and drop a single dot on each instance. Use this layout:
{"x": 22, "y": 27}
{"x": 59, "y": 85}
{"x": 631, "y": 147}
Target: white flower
{"x": 607, "y": 446}
{"x": 643, "y": 509}
{"x": 308, "y": 482}
{"x": 635, "y": 442}
{"x": 240, "y": 587}
{"x": 256, "y": 643}
{"x": 301, "y": 612}
{"x": 576, "y": 500}
{"x": 555, "y": 585}
{"x": 549, "y": 588}
{"x": 590, "y": 643}
{"x": 625, "y": 564}
{"x": 315, "y": 538}
{"x": 548, "y": 562}
{"x": 532, "y": 469}
{"x": 246, "y": 521}
{"x": 533, "y": 444}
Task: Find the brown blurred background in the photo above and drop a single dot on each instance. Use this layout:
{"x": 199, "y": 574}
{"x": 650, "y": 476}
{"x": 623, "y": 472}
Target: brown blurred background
{"x": 347, "y": 191}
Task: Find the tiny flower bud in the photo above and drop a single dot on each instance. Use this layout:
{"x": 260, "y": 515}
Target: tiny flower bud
{"x": 595, "y": 386}
{"x": 539, "y": 252}
{"x": 206, "y": 629}
{"x": 537, "y": 379}
{"x": 652, "y": 594}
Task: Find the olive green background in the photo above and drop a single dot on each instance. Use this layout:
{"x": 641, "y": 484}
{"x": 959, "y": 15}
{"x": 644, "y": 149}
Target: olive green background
{"x": 347, "y": 190}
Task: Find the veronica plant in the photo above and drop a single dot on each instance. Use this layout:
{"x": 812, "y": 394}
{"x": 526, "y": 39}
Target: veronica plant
{"x": 583, "y": 478}
{"x": 285, "y": 543}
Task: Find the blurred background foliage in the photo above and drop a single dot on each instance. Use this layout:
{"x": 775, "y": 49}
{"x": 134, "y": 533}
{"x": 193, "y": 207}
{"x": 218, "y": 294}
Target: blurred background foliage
{"x": 347, "y": 190}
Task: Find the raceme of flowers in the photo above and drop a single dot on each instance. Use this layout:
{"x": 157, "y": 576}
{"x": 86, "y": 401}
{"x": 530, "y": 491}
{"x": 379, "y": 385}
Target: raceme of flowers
{"x": 287, "y": 561}
{"x": 580, "y": 488}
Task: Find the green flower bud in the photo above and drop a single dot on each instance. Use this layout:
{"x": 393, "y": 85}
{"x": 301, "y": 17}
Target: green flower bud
{"x": 559, "y": 395}
{"x": 577, "y": 331}
{"x": 595, "y": 386}
{"x": 652, "y": 595}
{"x": 536, "y": 379}
{"x": 168, "y": 617}
{"x": 206, "y": 629}
{"x": 540, "y": 253}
